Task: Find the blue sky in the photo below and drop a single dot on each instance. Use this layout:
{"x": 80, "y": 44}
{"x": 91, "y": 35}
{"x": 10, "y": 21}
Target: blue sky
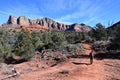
{"x": 89, "y": 12}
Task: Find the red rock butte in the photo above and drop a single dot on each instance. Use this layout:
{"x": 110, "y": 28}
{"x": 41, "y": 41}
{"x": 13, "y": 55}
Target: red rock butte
{"x": 42, "y": 24}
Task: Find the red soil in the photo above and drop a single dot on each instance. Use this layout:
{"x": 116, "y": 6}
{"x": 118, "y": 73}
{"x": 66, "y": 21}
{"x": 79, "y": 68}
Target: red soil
{"x": 71, "y": 69}
{"x": 78, "y": 69}
{"x": 87, "y": 48}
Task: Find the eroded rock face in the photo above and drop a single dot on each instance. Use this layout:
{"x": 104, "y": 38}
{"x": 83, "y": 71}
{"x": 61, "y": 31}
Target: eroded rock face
{"x": 79, "y": 28}
{"x": 46, "y": 23}
{"x": 0, "y": 27}
{"x": 22, "y": 20}
{"x": 12, "y": 20}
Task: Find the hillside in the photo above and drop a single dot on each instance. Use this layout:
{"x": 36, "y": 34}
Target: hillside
{"x": 113, "y": 29}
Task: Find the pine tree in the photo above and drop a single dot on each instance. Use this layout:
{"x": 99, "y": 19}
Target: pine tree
{"x": 100, "y": 32}
{"x": 24, "y": 46}
{"x": 36, "y": 40}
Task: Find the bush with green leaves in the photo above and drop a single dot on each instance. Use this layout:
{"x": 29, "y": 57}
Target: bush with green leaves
{"x": 24, "y": 46}
{"x": 73, "y": 37}
{"x": 37, "y": 41}
{"x": 100, "y": 32}
{"x": 25, "y": 43}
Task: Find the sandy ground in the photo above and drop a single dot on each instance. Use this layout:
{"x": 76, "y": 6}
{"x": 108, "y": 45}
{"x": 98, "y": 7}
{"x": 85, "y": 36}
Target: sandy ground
{"x": 78, "y": 69}
{"x": 72, "y": 69}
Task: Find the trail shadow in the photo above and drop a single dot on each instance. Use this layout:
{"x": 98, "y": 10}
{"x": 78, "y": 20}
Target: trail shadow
{"x": 11, "y": 60}
{"x": 108, "y": 55}
{"x": 81, "y": 56}
{"x": 79, "y": 63}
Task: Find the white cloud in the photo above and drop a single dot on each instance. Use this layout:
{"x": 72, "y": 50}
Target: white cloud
{"x": 70, "y": 16}
{"x": 91, "y": 20}
{"x": 65, "y": 11}
{"x": 4, "y": 13}
{"x": 64, "y": 22}
{"x": 86, "y": 11}
{"x": 23, "y": 9}
{"x": 31, "y": 11}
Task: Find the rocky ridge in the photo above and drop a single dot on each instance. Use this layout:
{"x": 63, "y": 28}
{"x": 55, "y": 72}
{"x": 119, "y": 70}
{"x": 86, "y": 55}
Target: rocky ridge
{"x": 23, "y": 22}
{"x": 113, "y": 29}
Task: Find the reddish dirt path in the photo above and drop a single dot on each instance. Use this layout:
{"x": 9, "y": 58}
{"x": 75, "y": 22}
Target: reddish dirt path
{"x": 87, "y": 48}
{"x": 78, "y": 69}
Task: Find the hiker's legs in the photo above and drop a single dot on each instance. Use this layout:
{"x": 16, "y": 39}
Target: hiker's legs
{"x": 91, "y": 58}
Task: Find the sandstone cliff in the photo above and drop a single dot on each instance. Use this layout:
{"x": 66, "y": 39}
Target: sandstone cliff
{"x": 43, "y": 24}
{"x": 12, "y": 20}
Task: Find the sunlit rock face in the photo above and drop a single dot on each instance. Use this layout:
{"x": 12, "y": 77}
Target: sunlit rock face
{"x": 43, "y": 23}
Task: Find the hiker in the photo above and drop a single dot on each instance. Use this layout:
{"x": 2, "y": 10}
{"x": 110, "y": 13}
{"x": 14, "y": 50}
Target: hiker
{"x": 89, "y": 48}
{"x": 91, "y": 56}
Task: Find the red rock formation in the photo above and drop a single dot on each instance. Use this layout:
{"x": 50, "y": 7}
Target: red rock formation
{"x": 34, "y": 27}
{"x": 42, "y": 24}
{"x": 22, "y": 20}
{"x": 12, "y": 20}
{"x": 0, "y": 27}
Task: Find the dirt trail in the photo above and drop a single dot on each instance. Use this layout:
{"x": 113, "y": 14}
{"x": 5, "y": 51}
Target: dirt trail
{"x": 77, "y": 69}
{"x": 71, "y": 69}
{"x": 87, "y": 48}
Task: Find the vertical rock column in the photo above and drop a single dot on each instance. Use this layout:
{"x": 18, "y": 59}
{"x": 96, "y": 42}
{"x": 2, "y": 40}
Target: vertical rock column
{"x": 22, "y": 20}
{"x": 12, "y": 20}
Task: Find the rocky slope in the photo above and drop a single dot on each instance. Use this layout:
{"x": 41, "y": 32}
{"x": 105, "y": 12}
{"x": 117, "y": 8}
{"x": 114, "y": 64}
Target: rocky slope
{"x": 113, "y": 29}
{"x": 23, "y": 22}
